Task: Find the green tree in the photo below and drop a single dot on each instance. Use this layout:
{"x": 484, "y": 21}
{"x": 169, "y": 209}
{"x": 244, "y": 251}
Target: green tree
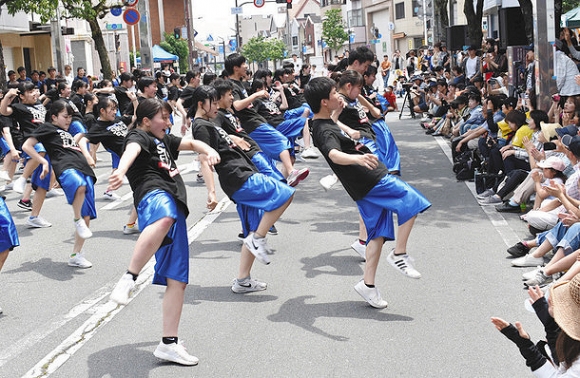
{"x": 177, "y": 47}
{"x": 333, "y": 32}
{"x": 260, "y": 49}
{"x": 89, "y": 10}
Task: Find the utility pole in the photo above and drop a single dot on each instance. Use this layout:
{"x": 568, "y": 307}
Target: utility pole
{"x": 190, "y": 36}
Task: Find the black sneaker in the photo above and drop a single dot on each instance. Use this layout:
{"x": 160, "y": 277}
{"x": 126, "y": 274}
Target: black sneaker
{"x": 518, "y": 250}
{"x": 507, "y": 208}
{"x": 273, "y": 230}
{"x": 534, "y": 231}
{"x": 25, "y": 205}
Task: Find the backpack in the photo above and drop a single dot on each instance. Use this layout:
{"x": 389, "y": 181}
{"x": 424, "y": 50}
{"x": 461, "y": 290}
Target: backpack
{"x": 465, "y": 165}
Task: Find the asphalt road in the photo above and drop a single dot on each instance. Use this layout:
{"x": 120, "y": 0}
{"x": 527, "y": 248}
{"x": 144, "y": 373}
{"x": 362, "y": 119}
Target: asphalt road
{"x": 310, "y": 322}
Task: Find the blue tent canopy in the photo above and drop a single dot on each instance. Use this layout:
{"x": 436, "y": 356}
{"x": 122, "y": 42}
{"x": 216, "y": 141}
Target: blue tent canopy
{"x": 160, "y": 55}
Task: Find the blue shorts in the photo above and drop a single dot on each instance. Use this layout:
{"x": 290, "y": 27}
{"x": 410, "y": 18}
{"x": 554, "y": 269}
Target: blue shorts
{"x": 4, "y": 146}
{"x": 267, "y": 166}
{"x": 292, "y": 128}
{"x": 115, "y": 159}
{"x": 259, "y": 194}
{"x": 297, "y": 112}
{"x": 390, "y": 195}
{"x": 70, "y": 180}
{"x": 8, "y": 232}
{"x": 35, "y": 179}
{"x": 172, "y": 258}
{"x": 387, "y": 149}
{"x": 271, "y": 141}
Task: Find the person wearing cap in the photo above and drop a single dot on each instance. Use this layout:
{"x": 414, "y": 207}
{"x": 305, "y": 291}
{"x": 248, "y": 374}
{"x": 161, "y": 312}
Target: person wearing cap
{"x": 559, "y": 315}
{"x": 495, "y": 86}
{"x": 471, "y": 65}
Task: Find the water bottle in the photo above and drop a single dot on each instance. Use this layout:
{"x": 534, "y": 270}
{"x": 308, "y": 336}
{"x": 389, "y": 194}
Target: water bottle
{"x": 523, "y": 207}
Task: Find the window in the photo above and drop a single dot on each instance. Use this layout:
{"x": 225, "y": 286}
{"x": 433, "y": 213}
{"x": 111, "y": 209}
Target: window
{"x": 399, "y": 11}
{"x": 326, "y": 3}
{"x": 294, "y": 41}
{"x": 355, "y": 17}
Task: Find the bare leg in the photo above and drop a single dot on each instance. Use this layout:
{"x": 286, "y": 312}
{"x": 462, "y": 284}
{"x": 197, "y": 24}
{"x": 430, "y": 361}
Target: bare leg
{"x": 373, "y": 255}
{"x": 287, "y": 164}
{"x": 39, "y": 197}
{"x": 544, "y": 248}
{"x": 403, "y": 233}
{"x": 270, "y": 217}
{"x": 3, "y": 257}
{"x": 362, "y": 230}
{"x": 172, "y": 307}
{"x": 560, "y": 262}
{"x": 246, "y": 262}
{"x": 148, "y": 243}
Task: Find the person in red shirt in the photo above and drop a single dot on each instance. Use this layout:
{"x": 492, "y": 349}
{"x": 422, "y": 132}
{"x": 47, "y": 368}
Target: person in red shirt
{"x": 389, "y": 95}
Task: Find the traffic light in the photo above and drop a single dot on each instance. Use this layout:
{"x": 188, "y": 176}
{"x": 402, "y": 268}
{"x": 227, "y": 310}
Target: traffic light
{"x": 177, "y": 33}
{"x": 280, "y": 1}
{"x": 288, "y": 4}
{"x": 117, "y": 42}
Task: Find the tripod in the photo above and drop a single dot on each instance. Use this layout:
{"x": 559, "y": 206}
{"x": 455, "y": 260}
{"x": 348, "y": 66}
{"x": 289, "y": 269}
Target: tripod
{"x": 407, "y": 101}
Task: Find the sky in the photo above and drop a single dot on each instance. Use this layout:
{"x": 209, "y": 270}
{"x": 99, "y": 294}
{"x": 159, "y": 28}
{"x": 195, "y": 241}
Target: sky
{"x": 216, "y": 17}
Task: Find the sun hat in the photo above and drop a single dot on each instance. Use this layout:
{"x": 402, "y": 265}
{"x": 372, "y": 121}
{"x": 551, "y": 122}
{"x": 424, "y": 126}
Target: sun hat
{"x": 568, "y": 130}
{"x": 553, "y": 162}
{"x": 566, "y": 304}
{"x": 549, "y": 130}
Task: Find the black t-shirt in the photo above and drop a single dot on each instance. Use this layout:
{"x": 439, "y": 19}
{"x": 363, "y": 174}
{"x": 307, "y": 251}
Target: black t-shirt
{"x": 29, "y": 117}
{"x": 50, "y": 83}
{"x": 231, "y": 124}
{"x": 293, "y": 96}
{"x": 110, "y": 133}
{"x": 269, "y": 110}
{"x": 248, "y": 116}
{"x": 368, "y": 91}
{"x": 155, "y": 167}
{"x": 172, "y": 93}
{"x": 123, "y": 100}
{"x": 356, "y": 179}
{"x": 162, "y": 91}
{"x": 235, "y": 166}
{"x": 62, "y": 149}
{"x": 354, "y": 116}
{"x": 15, "y": 132}
{"x": 79, "y": 103}
{"x": 186, "y": 96}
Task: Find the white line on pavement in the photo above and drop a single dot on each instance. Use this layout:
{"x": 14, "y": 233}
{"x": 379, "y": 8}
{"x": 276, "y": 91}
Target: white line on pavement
{"x": 509, "y": 236}
{"x": 102, "y": 313}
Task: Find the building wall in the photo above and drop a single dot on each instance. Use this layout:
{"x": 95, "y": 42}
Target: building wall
{"x": 173, "y": 17}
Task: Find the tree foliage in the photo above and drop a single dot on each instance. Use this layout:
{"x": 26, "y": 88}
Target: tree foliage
{"x": 88, "y": 10}
{"x": 177, "y": 47}
{"x": 333, "y": 32}
{"x": 260, "y": 49}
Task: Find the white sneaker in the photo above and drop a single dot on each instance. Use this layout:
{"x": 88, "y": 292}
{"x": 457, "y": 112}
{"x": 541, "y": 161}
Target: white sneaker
{"x": 110, "y": 195}
{"x": 82, "y": 229}
{"x": 486, "y": 193}
{"x": 123, "y": 290}
{"x": 37, "y": 222}
{"x": 55, "y": 192}
{"x": 175, "y": 353}
{"x": 258, "y": 248}
{"x": 248, "y": 286}
{"x": 359, "y": 248}
{"x": 370, "y": 294}
{"x": 491, "y": 200}
{"x": 79, "y": 261}
{"x": 531, "y": 274}
{"x": 296, "y": 176}
{"x": 403, "y": 264}
{"x": 528, "y": 261}
{"x": 328, "y": 182}
{"x": 128, "y": 230}
{"x": 19, "y": 185}
{"x": 309, "y": 153}
{"x": 4, "y": 176}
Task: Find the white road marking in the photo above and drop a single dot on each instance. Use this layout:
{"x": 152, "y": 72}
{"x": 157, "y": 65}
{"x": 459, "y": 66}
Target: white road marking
{"x": 102, "y": 313}
{"x": 509, "y": 236}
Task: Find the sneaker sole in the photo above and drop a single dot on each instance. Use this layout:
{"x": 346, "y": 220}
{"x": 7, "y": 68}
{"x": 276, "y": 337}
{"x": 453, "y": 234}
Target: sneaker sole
{"x": 170, "y": 358}
{"x": 247, "y": 290}
{"x": 368, "y": 299}
{"x": 79, "y": 266}
{"x": 299, "y": 178}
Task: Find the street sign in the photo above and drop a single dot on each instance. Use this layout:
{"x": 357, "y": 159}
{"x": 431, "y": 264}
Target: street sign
{"x": 114, "y": 26}
{"x": 259, "y": 3}
{"x": 237, "y": 10}
{"x": 131, "y": 3}
{"x": 116, "y": 11}
{"x": 131, "y": 16}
